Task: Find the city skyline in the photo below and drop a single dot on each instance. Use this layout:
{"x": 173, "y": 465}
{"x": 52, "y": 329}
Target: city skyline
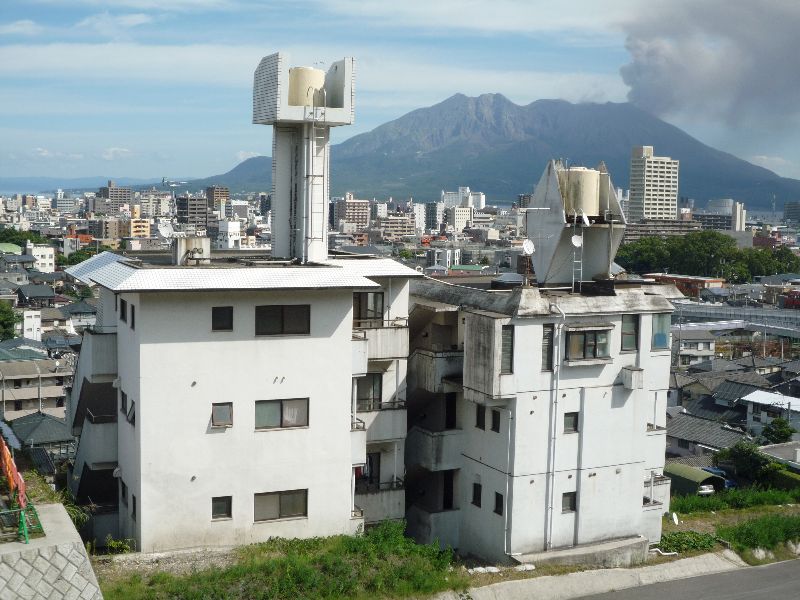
{"x": 149, "y": 89}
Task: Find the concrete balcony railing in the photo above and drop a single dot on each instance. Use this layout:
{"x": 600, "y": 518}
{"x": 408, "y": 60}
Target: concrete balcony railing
{"x": 381, "y": 501}
{"x": 428, "y": 369}
{"x": 383, "y": 421}
{"x": 358, "y": 442}
{"x": 434, "y": 450}
{"x": 425, "y": 526}
{"x": 386, "y": 339}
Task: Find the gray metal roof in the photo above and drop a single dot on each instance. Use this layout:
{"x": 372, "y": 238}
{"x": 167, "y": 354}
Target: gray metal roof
{"x": 685, "y": 426}
{"x": 731, "y": 391}
{"x": 40, "y": 428}
{"x": 36, "y": 290}
{"x": 706, "y": 407}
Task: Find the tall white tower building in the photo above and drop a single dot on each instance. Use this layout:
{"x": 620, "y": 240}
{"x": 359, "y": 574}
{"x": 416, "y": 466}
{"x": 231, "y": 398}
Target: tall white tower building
{"x": 654, "y": 186}
{"x": 301, "y": 104}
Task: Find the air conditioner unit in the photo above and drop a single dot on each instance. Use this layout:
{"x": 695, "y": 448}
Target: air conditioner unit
{"x": 633, "y": 378}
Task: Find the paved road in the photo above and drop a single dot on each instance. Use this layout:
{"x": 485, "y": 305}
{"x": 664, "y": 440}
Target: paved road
{"x": 778, "y": 581}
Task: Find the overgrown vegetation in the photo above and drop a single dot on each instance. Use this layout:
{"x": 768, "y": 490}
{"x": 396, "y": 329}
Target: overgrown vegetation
{"x": 778, "y": 431}
{"x": 736, "y": 498}
{"x": 686, "y": 541}
{"x": 14, "y": 236}
{"x": 766, "y": 532}
{"x": 114, "y": 546}
{"x": 380, "y": 563}
{"x": 8, "y": 319}
{"x": 749, "y": 463}
{"x": 705, "y": 253}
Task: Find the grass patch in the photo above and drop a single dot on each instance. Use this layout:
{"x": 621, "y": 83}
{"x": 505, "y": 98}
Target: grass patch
{"x": 768, "y": 532}
{"x": 380, "y": 563}
{"x": 737, "y": 498}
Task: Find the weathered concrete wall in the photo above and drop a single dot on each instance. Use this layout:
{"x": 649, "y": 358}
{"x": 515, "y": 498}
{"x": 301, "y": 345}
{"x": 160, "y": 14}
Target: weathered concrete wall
{"x": 52, "y": 567}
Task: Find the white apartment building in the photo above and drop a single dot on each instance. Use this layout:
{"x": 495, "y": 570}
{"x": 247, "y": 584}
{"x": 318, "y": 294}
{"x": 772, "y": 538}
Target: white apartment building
{"x": 537, "y": 415}
{"x": 352, "y": 211}
{"x": 653, "y": 186}
{"x": 45, "y": 256}
{"x": 458, "y": 217}
{"x": 419, "y": 217}
{"x": 464, "y": 197}
{"x": 227, "y": 401}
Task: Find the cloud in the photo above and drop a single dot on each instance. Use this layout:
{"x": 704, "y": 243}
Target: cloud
{"x": 46, "y": 153}
{"x": 23, "y": 27}
{"x": 114, "y": 153}
{"x": 160, "y": 5}
{"x": 243, "y": 155}
{"x": 774, "y": 163}
{"x": 111, "y": 25}
{"x": 728, "y": 61}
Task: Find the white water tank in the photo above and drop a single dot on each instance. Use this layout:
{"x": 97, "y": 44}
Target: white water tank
{"x": 581, "y": 189}
{"x": 305, "y": 86}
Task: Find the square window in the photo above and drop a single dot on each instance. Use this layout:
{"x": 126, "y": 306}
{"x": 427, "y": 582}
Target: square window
{"x": 222, "y": 414}
{"x": 569, "y": 502}
{"x": 477, "y": 489}
{"x": 294, "y": 503}
{"x": 480, "y": 416}
{"x": 369, "y": 391}
{"x": 495, "y": 420}
{"x": 269, "y": 320}
{"x": 571, "y": 422}
{"x": 266, "y": 507}
{"x": 273, "y": 414}
{"x": 296, "y": 319}
{"x": 498, "y": 503}
{"x": 221, "y": 507}
{"x": 290, "y": 319}
{"x": 222, "y": 318}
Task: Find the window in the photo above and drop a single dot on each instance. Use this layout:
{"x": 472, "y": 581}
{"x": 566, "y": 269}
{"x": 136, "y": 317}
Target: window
{"x": 587, "y": 345}
{"x": 123, "y": 311}
{"x": 569, "y": 501}
{"x": 477, "y": 489}
{"x": 133, "y": 316}
{"x": 368, "y": 309}
{"x": 369, "y": 390}
{"x": 123, "y": 492}
{"x": 133, "y": 506}
{"x": 495, "y": 420}
{"x": 287, "y": 319}
{"x": 222, "y": 318}
{"x": 571, "y": 422}
{"x": 221, "y": 507}
{"x": 272, "y": 414}
{"x": 123, "y": 403}
{"x": 630, "y": 332}
{"x": 547, "y": 347}
{"x": 280, "y": 505}
{"x": 480, "y": 416}
{"x": 660, "y": 339}
{"x": 507, "y": 349}
{"x": 498, "y": 503}
{"x": 222, "y": 414}
{"x": 683, "y": 444}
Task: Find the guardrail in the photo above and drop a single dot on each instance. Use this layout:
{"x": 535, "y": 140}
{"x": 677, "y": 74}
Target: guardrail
{"x": 371, "y": 404}
{"x": 363, "y": 487}
{"x": 380, "y": 323}
{"x": 19, "y": 524}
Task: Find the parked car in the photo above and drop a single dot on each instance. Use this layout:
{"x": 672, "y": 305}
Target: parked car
{"x": 729, "y": 483}
{"x": 705, "y": 490}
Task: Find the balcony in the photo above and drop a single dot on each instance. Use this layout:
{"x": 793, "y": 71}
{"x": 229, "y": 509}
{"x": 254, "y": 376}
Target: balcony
{"x": 386, "y": 339}
{"x": 425, "y": 525}
{"x": 381, "y": 501}
{"x": 358, "y": 442}
{"x": 360, "y": 349}
{"x": 428, "y": 369}
{"x": 383, "y": 420}
{"x": 434, "y": 450}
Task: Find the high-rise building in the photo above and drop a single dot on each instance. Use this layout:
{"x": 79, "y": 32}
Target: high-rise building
{"x": 116, "y": 197}
{"x": 353, "y": 211}
{"x": 216, "y": 195}
{"x": 791, "y": 211}
{"x": 434, "y": 215}
{"x": 192, "y": 211}
{"x": 654, "y": 186}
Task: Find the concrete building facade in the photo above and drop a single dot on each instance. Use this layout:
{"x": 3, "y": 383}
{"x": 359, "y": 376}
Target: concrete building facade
{"x": 653, "y": 186}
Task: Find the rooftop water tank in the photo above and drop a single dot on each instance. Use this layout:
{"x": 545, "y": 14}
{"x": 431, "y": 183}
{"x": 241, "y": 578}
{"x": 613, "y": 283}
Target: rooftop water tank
{"x": 581, "y": 190}
{"x": 305, "y": 86}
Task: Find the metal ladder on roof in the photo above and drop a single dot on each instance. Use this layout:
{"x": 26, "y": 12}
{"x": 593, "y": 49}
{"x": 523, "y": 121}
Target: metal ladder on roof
{"x": 577, "y": 256}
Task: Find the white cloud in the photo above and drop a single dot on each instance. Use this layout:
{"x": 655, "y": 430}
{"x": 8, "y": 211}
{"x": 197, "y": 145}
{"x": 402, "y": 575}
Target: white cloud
{"x": 46, "y": 153}
{"x": 23, "y": 27}
{"x": 243, "y": 155}
{"x": 115, "y": 153}
{"x": 110, "y": 25}
{"x": 160, "y": 5}
{"x": 774, "y": 163}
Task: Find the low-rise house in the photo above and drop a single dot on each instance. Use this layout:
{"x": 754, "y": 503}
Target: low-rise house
{"x": 764, "y": 406}
{"x": 691, "y": 346}
{"x": 35, "y": 295}
{"x": 33, "y": 385}
{"x": 43, "y": 430}
{"x": 688, "y": 434}
{"x": 787, "y": 453}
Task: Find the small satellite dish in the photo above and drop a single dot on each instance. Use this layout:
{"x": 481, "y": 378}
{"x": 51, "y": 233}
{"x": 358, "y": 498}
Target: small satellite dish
{"x": 675, "y": 518}
{"x": 585, "y": 220}
{"x": 528, "y": 247}
{"x": 117, "y": 472}
{"x": 577, "y": 241}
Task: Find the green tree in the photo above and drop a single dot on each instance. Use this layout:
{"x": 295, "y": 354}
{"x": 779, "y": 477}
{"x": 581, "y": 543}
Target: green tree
{"x": 8, "y": 318}
{"x": 485, "y": 260}
{"x": 646, "y": 255}
{"x": 778, "y": 431}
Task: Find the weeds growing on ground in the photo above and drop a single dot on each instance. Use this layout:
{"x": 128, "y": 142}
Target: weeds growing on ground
{"x": 765, "y": 532}
{"x": 741, "y": 498}
{"x": 686, "y": 541}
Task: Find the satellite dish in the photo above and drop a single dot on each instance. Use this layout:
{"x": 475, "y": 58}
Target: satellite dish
{"x": 585, "y": 219}
{"x": 675, "y": 518}
{"x": 577, "y": 241}
{"x": 117, "y": 472}
{"x": 528, "y": 247}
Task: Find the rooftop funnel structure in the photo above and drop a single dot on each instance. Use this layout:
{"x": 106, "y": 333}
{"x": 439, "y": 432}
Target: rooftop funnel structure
{"x": 576, "y": 224}
{"x": 301, "y": 104}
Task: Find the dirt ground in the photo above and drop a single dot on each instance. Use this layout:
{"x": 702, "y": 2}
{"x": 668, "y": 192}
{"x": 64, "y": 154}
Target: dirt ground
{"x": 181, "y": 562}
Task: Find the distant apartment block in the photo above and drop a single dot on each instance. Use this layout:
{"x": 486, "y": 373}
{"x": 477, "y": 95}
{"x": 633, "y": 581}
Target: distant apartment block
{"x": 653, "y": 186}
{"x": 352, "y": 211}
{"x": 217, "y": 196}
{"x": 192, "y": 211}
{"x": 434, "y": 215}
{"x": 464, "y": 197}
{"x": 115, "y": 197}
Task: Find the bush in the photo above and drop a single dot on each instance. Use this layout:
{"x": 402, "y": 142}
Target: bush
{"x": 786, "y": 480}
{"x": 765, "y": 532}
{"x": 118, "y": 546}
{"x": 381, "y": 562}
{"x": 686, "y": 541}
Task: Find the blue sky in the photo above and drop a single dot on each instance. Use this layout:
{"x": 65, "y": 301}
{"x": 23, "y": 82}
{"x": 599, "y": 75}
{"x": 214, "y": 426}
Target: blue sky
{"x": 152, "y": 88}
